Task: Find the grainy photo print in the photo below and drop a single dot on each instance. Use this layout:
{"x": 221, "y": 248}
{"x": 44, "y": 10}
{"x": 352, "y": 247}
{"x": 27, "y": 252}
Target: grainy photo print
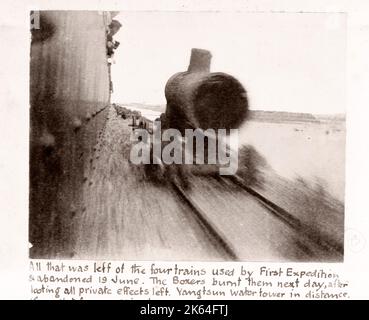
{"x": 187, "y": 136}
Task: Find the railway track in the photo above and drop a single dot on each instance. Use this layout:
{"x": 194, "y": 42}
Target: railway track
{"x": 211, "y": 231}
{"x": 306, "y": 232}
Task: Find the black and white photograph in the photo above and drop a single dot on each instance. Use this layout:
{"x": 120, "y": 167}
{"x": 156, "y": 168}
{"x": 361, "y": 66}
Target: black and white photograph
{"x": 187, "y": 136}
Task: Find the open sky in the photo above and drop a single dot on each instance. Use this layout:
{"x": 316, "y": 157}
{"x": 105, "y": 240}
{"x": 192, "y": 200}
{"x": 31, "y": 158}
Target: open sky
{"x": 286, "y": 61}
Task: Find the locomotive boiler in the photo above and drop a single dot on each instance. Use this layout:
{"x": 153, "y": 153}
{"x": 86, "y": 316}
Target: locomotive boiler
{"x": 198, "y": 98}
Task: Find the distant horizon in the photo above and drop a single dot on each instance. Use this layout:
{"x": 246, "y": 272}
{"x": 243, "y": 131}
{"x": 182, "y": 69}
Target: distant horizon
{"x": 147, "y": 105}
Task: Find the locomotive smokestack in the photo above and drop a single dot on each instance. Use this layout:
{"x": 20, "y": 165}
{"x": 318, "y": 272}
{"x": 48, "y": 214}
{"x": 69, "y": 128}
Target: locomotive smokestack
{"x": 200, "y": 60}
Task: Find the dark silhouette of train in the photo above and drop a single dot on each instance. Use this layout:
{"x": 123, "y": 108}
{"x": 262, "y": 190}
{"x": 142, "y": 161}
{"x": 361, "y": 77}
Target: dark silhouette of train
{"x": 198, "y": 98}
